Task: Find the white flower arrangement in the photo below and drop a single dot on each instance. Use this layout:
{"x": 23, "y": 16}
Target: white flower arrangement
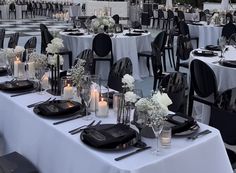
{"x": 19, "y": 49}
{"x": 215, "y": 19}
{"x": 78, "y": 71}
{"x": 10, "y": 54}
{"x": 128, "y": 82}
{"x": 155, "y": 109}
{"x": 53, "y": 48}
{"x": 40, "y": 60}
{"x": 99, "y": 23}
{"x": 130, "y": 97}
{"x": 128, "y": 85}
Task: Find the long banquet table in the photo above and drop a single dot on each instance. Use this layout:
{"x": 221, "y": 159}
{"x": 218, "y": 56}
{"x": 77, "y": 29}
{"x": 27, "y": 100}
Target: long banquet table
{"x": 123, "y": 46}
{"x": 53, "y": 150}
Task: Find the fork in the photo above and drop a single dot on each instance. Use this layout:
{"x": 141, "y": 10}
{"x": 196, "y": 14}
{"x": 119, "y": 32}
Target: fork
{"x": 204, "y": 132}
{"x": 34, "y": 104}
{"x": 78, "y": 128}
{"x": 81, "y": 129}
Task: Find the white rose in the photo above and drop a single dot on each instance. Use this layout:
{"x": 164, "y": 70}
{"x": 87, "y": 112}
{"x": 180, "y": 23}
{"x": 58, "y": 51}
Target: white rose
{"x": 19, "y": 49}
{"x": 162, "y": 98}
{"x": 130, "y": 97}
{"x": 128, "y": 81}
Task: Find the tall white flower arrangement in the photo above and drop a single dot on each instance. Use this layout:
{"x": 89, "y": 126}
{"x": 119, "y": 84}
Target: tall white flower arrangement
{"x": 99, "y": 23}
{"x": 53, "y": 48}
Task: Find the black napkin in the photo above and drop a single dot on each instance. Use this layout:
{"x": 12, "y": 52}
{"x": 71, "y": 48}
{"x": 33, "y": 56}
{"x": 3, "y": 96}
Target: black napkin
{"x": 17, "y": 85}
{"x": 180, "y": 122}
{"x": 213, "y": 48}
{"x": 58, "y": 108}
{"x": 76, "y": 33}
{"x": 228, "y": 63}
{"x": 70, "y": 30}
{"x": 205, "y": 53}
{"x": 3, "y": 71}
{"x": 200, "y": 24}
{"x": 108, "y": 138}
{"x": 140, "y": 31}
{"x": 133, "y": 34}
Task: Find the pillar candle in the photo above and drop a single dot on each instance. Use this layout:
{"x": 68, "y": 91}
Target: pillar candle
{"x": 68, "y": 92}
{"x": 31, "y": 69}
{"x": 16, "y": 67}
{"x": 102, "y": 109}
{"x": 94, "y": 100}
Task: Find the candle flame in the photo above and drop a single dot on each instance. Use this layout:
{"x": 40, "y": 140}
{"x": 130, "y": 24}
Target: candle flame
{"x": 102, "y": 99}
{"x": 68, "y": 85}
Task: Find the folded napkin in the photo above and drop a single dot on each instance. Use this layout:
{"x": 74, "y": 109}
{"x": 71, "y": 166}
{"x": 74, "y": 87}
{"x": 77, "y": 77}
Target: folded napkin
{"x": 58, "y": 108}
{"x": 180, "y": 122}
{"x": 70, "y": 30}
{"x": 228, "y": 63}
{"x": 206, "y": 53}
{"x": 108, "y": 137}
{"x": 213, "y": 48}
{"x": 17, "y": 85}
{"x": 76, "y": 33}
{"x": 200, "y": 24}
{"x": 133, "y": 34}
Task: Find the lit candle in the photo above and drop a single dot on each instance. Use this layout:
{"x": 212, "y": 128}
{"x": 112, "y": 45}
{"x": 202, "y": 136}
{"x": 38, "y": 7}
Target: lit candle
{"x": 45, "y": 82}
{"x": 102, "y": 109}
{"x": 68, "y": 92}
{"x": 94, "y": 100}
{"x": 31, "y": 69}
{"x": 165, "y": 141}
{"x": 16, "y": 67}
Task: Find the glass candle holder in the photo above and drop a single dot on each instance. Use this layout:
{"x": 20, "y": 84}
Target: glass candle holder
{"x": 103, "y": 103}
{"x": 95, "y": 90}
{"x": 165, "y": 136}
{"x": 66, "y": 88}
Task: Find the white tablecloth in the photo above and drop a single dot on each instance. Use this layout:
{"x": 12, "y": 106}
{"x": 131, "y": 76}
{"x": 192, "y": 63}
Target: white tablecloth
{"x": 123, "y": 46}
{"x": 208, "y": 34}
{"x": 53, "y": 150}
{"x": 225, "y": 78}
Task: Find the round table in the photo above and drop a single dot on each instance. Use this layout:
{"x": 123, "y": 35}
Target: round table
{"x": 225, "y": 78}
{"x": 208, "y": 34}
{"x": 122, "y": 46}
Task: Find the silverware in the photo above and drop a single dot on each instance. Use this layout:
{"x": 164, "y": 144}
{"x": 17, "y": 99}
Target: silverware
{"x": 79, "y": 129}
{"x": 34, "y": 104}
{"x": 24, "y": 93}
{"x": 132, "y": 153}
{"x": 68, "y": 119}
{"x": 204, "y": 132}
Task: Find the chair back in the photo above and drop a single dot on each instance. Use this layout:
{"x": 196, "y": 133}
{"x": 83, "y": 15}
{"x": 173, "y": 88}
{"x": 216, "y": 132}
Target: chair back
{"x": 160, "y": 14}
{"x": 160, "y": 40}
{"x": 202, "y": 16}
{"x": 116, "y": 18}
{"x": 184, "y": 47}
{"x": 86, "y": 55}
{"x": 203, "y": 80}
{"x": 102, "y": 45}
{"x": 174, "y": 85}
{"x": 145, "y": 19}
{"x": 181, "y": 15}
{"x": 229, "y": 17}
{"x": 12, "y": 7}
{"x": 232, "y": 39}
{"x": 31, "y": 43}
{"x": 183, "y": 28}
{"x": 170, "y": 14}
{"x": 46, "y": 37}
{"x": 136, "y": 25}
{"x": 118, "y": 70}
{"x": 2, "y": 37}
{"x": 13, "y": 41}
{"x": 228, "y": 30}
{"x": 224, "y": 120}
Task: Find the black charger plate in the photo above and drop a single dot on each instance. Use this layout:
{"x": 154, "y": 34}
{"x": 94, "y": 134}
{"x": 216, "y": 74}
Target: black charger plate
{"x": 18, "y": 86}
{"x": 228, "y": 63}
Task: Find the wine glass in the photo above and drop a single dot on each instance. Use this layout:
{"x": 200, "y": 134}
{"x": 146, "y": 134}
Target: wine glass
{"x": 44, "y": 82}
{"x": 87, "y": 24}
{"x": 157, "y": 128}
{"x": 85, "y": 94}
{"x": 38, "y": 75}
{"x": 222, "y": 42}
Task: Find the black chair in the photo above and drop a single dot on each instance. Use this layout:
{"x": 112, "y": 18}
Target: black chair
{"x": 202, "y": 16}
{"x": 13, "y": 41}
{"x": 228, "y": 30}
{"x": 12, "y": 9}
{"x": 136, "y": 25}
{"x": 170, "y": 19}
{"x": 203, "y": 83}
{"x": 232, "y": 39}
{"x": 30, "y": 44}
{"x": 174, "y": 84}
{"x": 46, "y": 38}
{"x": 169, "y": 46}
{"x": 184, "y": 30}
{"x": 229, "y": 17}
{"x": 102, "y": 47}
{"x": 16, "y": 163}
{"x": 145, "y": 19}
{"x": 206, "y": 11}
{"x": 86, "y": 55}
{"x": 2, "y": 37}
{"x": 184, "y": 47}
{"x": 223, "y": 117}
{"x": 159, "y": 43}
{"x": 116, "y": 18}
{"x": 92, "y": 17}
{"x": 118, "y": 70}
{"x": 160, "y": 18}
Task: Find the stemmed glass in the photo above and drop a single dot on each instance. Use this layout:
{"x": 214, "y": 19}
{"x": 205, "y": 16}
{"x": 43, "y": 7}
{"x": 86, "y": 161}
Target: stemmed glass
{"x": 222, "y": 42}
{"x": 85, "y": 94}
{"x": 88, "y": 23}
{"x": 39, "y": 73}
{"x": 157, "y": 128}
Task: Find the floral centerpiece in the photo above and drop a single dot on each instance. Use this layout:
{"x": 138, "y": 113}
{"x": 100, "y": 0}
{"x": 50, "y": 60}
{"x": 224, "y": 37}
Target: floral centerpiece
{"x": 98, "y": 24}
{"x": 77, "y": 72}
{"x": 39, "y": 60}
{"x": 55, "y": 61}
{"x": 128, "y": 101}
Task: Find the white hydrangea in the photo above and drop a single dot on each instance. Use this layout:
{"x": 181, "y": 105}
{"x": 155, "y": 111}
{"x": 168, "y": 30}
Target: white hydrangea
{"x": 19, "y": 49}
{"x": 128, "y": 81}
{"x": 55, "y": 46}
{"x": 130, "y": 97}
{"x": 52, "y": 59}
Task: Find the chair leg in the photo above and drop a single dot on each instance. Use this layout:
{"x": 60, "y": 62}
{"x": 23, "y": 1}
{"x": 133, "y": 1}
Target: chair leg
{"x": 164, "y": 61}
{"x": 190, "y": 102}
{"x": 155, "y": 83}
{"x": 169, "y": 57}
{"x": 70, "y": 59}
{"x": 93, "y": 67}
{"x": 148, "y": 64}
{"x": 173, "y": 57}
{"x": 177, "y": 64}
